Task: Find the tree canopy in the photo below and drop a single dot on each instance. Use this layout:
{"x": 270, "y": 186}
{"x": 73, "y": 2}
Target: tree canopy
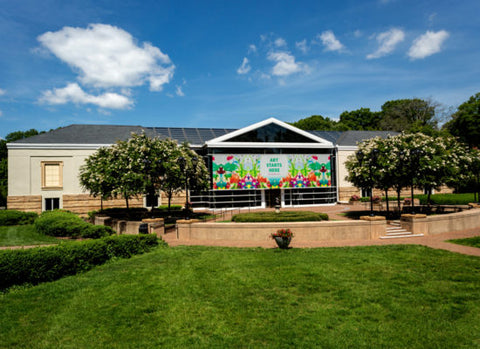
{"x": 140, "y": 165}
{"x": 465, "y": 123}
{"x": 11, "y": 137}
{"x": 401, "y": 115}
{"x": 316, "y": 122}
{"x": 407, "y": 159}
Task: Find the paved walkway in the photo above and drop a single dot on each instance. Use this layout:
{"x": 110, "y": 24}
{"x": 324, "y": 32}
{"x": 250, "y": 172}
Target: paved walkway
{"x": 335, "y": 213}
{"x": 433, "y": 241}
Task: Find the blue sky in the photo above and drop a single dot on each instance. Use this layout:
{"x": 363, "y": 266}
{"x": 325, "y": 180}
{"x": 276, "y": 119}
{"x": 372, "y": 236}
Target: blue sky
{"x": 228, "y": 63}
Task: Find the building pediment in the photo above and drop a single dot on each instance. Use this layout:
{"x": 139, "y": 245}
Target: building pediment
{"x": 269, "y": 133}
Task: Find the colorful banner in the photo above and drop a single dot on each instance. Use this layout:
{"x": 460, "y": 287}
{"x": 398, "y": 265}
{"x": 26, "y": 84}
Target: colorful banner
{"x": 259, "y": 171}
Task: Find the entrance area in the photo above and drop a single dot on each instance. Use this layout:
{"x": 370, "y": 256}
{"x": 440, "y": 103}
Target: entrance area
{"x": 273, "y": 197}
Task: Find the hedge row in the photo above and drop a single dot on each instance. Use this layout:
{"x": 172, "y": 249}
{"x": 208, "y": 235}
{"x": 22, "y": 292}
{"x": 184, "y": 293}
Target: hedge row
{"x": 37, "y": 265}
{"x": 12, "y": 217}
{"x": 283, "y": 216}
{"x": 64, "y": 223}
{"x": 447, "y": 199}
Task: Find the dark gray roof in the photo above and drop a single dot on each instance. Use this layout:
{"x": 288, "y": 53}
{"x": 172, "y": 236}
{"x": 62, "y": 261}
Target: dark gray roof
{"x": 109, "y": 134}
{"x": 349, "y": 138}
{"x": 330, "y": 136}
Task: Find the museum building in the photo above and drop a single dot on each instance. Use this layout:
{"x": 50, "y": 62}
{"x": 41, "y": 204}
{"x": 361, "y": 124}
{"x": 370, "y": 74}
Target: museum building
{"x": 261, "y": 165}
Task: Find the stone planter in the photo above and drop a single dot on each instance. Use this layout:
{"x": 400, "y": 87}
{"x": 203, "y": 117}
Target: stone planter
{"x": 282, "y": 242}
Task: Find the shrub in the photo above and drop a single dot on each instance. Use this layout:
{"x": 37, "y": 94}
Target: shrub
{"x": 283, "y": 216}
{"x": 12, "y": 217}
{"x": 96, "y": 231}
{"x": 447, "y": 199}
{"x": 172, "y": 207}
{"x": 64, "y": 223}
{"x": 37, "y": 265}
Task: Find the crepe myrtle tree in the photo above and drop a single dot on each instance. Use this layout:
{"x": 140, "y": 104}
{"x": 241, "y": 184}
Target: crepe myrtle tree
{"x": 95, "y": 175}
{"x": 174, "y": 176}
{"x": 192, "y": 172}
{"x": 469, "y": 172}
{"x": 407, "y": 160}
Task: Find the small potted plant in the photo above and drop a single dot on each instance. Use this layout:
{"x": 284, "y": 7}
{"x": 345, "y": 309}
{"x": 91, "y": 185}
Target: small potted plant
{"x": 282, "y": 237}
{"x": 376, "y": 199}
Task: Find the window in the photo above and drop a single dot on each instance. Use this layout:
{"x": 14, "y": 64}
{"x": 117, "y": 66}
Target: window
{"x": 366, "y": 192}
{"x": 52, "y": 174}
{"x": 52, "y": 204}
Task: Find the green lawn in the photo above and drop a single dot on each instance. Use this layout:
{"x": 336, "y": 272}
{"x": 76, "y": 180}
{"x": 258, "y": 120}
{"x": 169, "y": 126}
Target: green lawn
{"x": 206, "y": 297}
{"x": 473, "y": 241}
{"x": 23, "y": 235}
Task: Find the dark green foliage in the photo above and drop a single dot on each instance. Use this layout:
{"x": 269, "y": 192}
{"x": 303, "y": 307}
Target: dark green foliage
{"x": 283, "y": 216}
{"x": 361, "y": 120}
{"x": 316, "y": 122}
{"x": 465, "y": 123}
{"x": 67, "y": 224}
{"x": 51, "y": 263}
{"x": 11, "y": 137}
{"x": 409, "y": 115}
{"x": 12, "y": 217}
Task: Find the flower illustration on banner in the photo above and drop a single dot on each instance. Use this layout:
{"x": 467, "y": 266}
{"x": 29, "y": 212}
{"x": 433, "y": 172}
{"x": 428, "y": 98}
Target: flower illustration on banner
{"x": 263, "y": 182}
{"x": 300, "y": 181}
{"x": 248, "y": 182}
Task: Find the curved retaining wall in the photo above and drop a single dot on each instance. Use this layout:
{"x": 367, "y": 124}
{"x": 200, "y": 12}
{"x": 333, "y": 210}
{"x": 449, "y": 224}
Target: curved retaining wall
{"x": 305, "y": 231}
{"x": 432, "y": 225}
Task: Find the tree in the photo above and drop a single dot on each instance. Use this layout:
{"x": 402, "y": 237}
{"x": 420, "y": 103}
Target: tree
{"x": 95, "y": 175}
{"x": 465, "y": 123}
{"x": 409, "y": 115}
{"x": 406, "y": 160}
{"x": 316, "y": 122}
{"x": 139, "y": 165}
{"x": 176, "y": 177}
{"x": 361, "y": 119}
{"x": 11, "y": 137}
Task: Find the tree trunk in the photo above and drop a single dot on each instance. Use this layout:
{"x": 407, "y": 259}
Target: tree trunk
{"x": 398, "y": 199}
{"x": 386, "y": 198}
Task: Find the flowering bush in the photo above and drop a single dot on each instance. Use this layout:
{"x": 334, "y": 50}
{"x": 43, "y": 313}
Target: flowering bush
{"x": 283, "y": 233}
{"x": 376, "y": 199}
{"x": 354, "y": 198}
{"x": 407, "y": 201}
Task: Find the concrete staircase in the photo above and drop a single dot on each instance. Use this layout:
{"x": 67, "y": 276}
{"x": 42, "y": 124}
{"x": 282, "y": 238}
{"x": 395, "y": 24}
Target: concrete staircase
{"x": 395, "y": 231}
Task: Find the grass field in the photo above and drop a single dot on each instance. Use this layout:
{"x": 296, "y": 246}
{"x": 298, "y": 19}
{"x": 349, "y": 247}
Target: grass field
{"x": 203, "y": 297}
{"x": 23, "y": 235}
{"x": 473, "y": 241}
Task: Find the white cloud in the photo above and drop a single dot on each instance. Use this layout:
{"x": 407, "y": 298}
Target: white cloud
{"x": 179, "y": 92}
{"x": 1, "y": 115}
{"x": 330, "y": 41}
{"x": 387, "y": 42}
{"x": 107, "y": 56}
{"x": 427, "y": 44}
{"x": 357, "y": 33}
{"x": 2, "y": 92}
{"x": 252, "y": 48}
{"x": 73, "y": 93}
{"x": 244, "y": 68}
{"x": 302, "y": 45}
{"x": 285, "y": 64}
{"x": 280, "y": 42}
